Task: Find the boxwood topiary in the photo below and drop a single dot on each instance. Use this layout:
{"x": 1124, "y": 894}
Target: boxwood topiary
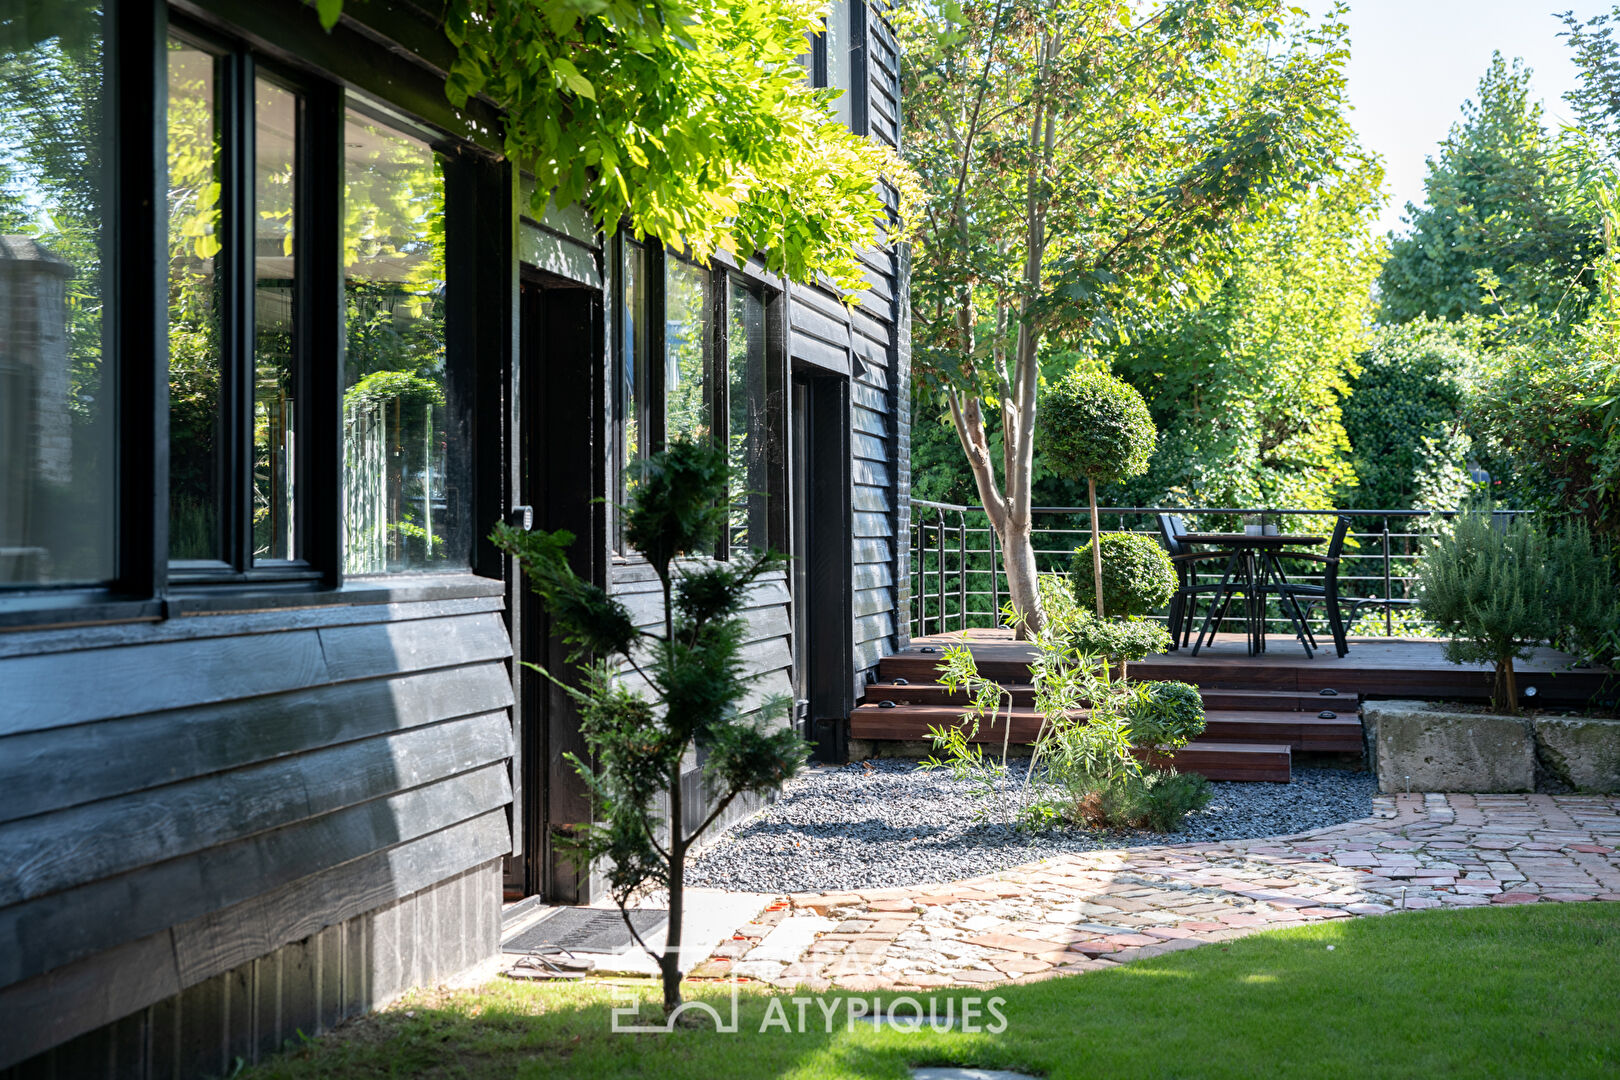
{"x": 1138, "y": 576}
{"x": 1165, "y": 715}
{"x": 1097, "y": 426}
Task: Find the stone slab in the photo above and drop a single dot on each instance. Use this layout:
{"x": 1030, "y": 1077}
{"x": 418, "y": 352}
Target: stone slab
{"x": 1417, "y": 747}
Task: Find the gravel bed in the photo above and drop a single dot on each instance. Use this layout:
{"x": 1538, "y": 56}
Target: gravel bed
{"x": 886, "y": 823}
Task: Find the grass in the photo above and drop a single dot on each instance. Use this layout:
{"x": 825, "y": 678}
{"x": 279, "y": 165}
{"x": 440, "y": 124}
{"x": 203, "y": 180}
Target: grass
{"x": 1518, "y": 992}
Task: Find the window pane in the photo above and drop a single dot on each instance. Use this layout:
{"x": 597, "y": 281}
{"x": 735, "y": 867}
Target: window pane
{"x": 274, "y": 425}
{"x": 686, "y": 348}
{"x": 632, "y": 391}
{"x": 839, "y": 67}
{"x": 56, "y": 394}
{"x": 745, "y": 372}
{"x": 404, "y": 456}
{"x": 195, "y": 474}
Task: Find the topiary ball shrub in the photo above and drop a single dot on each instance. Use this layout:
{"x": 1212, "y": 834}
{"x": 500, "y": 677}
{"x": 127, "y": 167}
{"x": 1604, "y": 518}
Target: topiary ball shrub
{"x": 1165, "y": 715}
{"x": 1096, "y": 426}
{"x": 1138, "y": 576}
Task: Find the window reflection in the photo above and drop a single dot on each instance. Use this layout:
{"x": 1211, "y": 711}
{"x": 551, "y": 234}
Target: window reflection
{"x": 632, "y": 391}
{"x": 686, "y": 349}
{"x": 746, "y": 413}
{"x": 195, "y": 474}
{"x": 404, "y": 458}
{"x": 274, "y": 419}
{"x": 57, "y": 489}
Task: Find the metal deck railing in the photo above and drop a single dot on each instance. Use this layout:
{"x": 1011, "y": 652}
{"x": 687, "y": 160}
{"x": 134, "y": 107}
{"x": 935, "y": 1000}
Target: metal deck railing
{"x": 958, "y": 581}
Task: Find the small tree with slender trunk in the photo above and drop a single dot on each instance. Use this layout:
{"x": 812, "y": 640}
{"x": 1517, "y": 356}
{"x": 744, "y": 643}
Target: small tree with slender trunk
{"x": 692, "y": 685}
{"x": 1098, "y": 427}
{"x": 1083, "y": 160}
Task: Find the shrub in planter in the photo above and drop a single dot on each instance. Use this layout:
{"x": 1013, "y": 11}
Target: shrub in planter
{"x": 1486, "y": 586}
{"x": 1096, "y": 426}
{"x": 1137, "y": 575}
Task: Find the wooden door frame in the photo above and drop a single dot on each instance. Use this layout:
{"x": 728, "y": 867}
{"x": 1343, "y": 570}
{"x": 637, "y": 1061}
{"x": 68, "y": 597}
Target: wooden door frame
{"x": 829, "y": 516}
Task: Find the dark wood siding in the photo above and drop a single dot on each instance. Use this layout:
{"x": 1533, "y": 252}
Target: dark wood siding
{"x": 185, "y": 796}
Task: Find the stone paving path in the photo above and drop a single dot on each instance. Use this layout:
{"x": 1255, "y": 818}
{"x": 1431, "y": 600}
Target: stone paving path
{"x": 1088, "y": 911}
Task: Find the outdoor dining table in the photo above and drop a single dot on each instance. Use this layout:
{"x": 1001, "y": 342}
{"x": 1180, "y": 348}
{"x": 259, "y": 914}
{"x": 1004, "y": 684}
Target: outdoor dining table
{"x": 1251, "y": 567}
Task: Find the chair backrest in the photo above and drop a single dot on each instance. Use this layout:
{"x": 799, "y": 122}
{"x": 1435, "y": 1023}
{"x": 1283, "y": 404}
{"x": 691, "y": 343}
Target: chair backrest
{"x": 1170, "y": 529}
{"x": 1335, "y": 550}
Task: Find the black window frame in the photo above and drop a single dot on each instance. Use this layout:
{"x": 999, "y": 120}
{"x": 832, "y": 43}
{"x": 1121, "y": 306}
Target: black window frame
{"x": 859, "y": 74}
{"x": 651, "y": 379}
{"x": 329, "y": 68}
{"x": 237, "y": 67}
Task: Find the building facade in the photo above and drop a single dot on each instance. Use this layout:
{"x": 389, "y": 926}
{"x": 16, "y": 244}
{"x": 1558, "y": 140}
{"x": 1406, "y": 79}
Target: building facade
{"x": 282, "y": 337}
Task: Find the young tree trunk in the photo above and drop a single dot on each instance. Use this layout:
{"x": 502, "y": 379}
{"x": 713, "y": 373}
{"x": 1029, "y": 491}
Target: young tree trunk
{"x": 1018, "y": 553}
{"x": 669, "y": 965}
{"x": 1505, "y": 694}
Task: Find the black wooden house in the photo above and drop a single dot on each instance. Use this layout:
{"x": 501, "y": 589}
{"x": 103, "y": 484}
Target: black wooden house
{"x": 280, "y": 342}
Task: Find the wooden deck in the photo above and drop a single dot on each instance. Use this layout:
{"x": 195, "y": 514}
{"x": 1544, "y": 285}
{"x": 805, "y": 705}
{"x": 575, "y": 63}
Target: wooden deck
{"x": 1259, "y": 710}
{"x": 1375, "y": 667}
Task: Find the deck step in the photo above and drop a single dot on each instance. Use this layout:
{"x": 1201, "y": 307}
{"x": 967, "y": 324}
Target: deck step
{"x": 1022, "y": 725}
{"x": 932, "y": 693}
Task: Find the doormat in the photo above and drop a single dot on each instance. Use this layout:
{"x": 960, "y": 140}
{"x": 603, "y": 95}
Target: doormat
{"x": 586, "y": 930}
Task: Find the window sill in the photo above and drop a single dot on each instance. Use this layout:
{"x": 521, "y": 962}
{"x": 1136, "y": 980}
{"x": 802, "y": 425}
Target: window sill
{"x": 67, "y": 609}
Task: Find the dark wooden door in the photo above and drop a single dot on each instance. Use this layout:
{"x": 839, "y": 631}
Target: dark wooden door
{"x": 562, "y": 418}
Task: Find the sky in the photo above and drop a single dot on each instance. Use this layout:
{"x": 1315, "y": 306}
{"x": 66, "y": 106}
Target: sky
{"x": 1413, "y": 62}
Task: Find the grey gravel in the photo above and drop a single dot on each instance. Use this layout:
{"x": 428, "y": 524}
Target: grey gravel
{"x": 886, "y": 823}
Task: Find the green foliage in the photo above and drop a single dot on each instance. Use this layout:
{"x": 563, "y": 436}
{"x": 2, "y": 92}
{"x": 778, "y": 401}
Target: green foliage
{"x": 1095, "y": 730}
{"x": 385, "y": 386}
{"x": 1159, "y": 800}
{"x": 1404, "y": 418}
{"x": 1247, "y": 384}
{"x": 1503, "y": 227}
{"x": 1500, "y": 586}
{"x": 1138, "y": 576}
{"x": 694, "y": 675}
{"x": 1165, "y": 715}
{"x": 689, "y": 119}
{"x": 1097, "y": 426}
{"x": 1081, "y": 159}
{"x": 1553, "y": 411}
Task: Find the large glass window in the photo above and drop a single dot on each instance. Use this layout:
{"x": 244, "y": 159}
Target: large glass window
{"x": 57, "y": 390}
{"x": 275, "y": 420}
{"x": 404, "y": 451}
{"x": 747, "y": 430}
{"x": 196, "y": 471}
{"x": 687, "y": 340}
{"x": 712, "y": 383}
{"x": 840, "y": 40}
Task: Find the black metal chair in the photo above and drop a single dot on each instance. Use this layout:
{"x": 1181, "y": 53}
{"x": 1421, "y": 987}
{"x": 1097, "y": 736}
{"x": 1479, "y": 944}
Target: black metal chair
{"x": 1185, "y": 559}
{"x": 1326, "y": 593}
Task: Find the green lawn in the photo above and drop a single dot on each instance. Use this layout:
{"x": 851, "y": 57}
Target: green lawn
{"x": 1517, "y": 992}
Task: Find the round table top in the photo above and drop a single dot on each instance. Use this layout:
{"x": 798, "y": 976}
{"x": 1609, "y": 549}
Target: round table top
{"x": 1247, "y": 540}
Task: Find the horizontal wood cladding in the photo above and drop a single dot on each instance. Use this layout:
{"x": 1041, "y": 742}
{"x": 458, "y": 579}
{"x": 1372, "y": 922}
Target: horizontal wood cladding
{"x": 52, "y": 930}
{"x": 55, "y": 690}
{"x": 355, "y": 946}
{"x": 48, "y": 853}
{"x": 182, "y": 798}
{"x": 47, "y": 770}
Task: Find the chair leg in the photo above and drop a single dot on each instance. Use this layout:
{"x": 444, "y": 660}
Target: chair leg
{"x": 1176, "y": 603}
{"x": 1336, "y": 624}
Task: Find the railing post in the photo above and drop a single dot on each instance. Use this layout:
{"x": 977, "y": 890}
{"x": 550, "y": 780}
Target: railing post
{"x": 961, "y": 568}
{"x": 939, "y": 549}
{"x": 1389, "y": 609}
{"x": 995, "y": 584}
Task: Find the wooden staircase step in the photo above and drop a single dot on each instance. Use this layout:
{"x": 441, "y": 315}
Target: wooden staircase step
{"x": 1022, "y": 725}
{"x": 1270, "y": 762}
{"x": 932, "y": 693}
